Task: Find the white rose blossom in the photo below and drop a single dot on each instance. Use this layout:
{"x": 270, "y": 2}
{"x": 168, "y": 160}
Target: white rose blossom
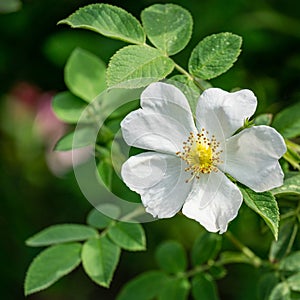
{"x": 187, "y": 162}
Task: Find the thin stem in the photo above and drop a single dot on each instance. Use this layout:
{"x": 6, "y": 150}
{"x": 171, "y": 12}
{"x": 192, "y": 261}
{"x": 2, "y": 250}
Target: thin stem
{"x": 190, "y": 77}
{"x": 244, "y": 249}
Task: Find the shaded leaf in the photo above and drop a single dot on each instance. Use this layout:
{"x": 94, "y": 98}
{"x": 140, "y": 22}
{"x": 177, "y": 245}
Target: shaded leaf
{"x": 265, "y": 205}
{"x": 281, "y": 292}
{"x": 137, "y": 66}
{"x": 144, "y": 287}
{"x": 171, "y": 257}
{"x": 168, "y": 26}
{"x": 61, "y": 233}
{"x": 204, "y": 288}
{"x": 263, "y": 119}
{"x": 287, "y": 122}
{"x": 108, "y": 20}
{"x": 280, "y": 248}
{"x": 50, "y": 265}
{"x": 85, "y": 74}
{"x": 100, "y": 258}
{"x": 214, "y": 55}
{"x": 175, "y": 289}
{"x": 206, "y": 247}
{"x": 266, "y": 284}
{"x": 294, "y": 282}
{"x": 291, "y": 263}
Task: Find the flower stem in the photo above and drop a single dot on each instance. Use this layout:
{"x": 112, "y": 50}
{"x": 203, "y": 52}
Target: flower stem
{"x": 189, "y": 76}
{"x": 257, "y": 262}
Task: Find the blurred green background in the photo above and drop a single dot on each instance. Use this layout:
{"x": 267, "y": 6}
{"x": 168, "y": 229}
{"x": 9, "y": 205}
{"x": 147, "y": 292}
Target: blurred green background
{"x": 36, "y": 188}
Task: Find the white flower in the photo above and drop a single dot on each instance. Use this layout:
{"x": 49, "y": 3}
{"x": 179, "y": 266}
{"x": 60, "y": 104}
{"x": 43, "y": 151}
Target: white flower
{"x": 187, "y": 163}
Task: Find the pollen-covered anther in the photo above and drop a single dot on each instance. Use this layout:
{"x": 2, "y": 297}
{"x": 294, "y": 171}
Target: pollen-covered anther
{"x": 200, "y": 153}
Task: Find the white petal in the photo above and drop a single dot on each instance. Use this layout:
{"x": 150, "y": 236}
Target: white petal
{"x": 214, "y": 201}
{"x": 160, "y": 180}
{"x": 252, "y": 156}
{"x": 222, "y": 113}
{"x": 164, "y": 122}
{"x": 167, "y": 99}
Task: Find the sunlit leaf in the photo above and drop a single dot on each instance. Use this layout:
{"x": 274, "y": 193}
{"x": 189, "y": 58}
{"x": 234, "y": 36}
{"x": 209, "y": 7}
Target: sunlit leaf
{"x": 137, "y": 66}
{"x": 129, "y": 236}
{"x": 67, "y": 107}
{"x": 82, "y": 137}
{"x": 214, "y": 55}
{"x": 265, "y": 205}
{"x": 100, "y": 258}
{"x": 290, "y": 186}
{"x": 61, "y": 233}
{"x": 85, "y": 74}
{"x": 50, "y": 265}
{"x": 168, "y": 26}
{"x": 109, "y": 20}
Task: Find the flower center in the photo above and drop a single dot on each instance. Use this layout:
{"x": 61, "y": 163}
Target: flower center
{"x": 200, "y": 153}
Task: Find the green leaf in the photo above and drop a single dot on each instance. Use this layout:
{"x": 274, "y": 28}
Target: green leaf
{"x": 214, "y": 55}
{"x": 206, "y": 247}
{"x": 171, "y": 257}
{"x": 287, "y": 234}
{"x": 85, "y": 74}
{"x": 62, "y": 233}
{"x": 287, "y": 122}
{"x": 144, "y": 287}
{"x": 204, "y": 288}
{"x": 50, "y": 265}
{"x": 175, "y": 289}
{"x": 67, "y": 107}
{"x": 266, "y": 284}
{"x": 82, "y": 137}
{"x": 265, "y": 205}
{"x": 168, "y": 27}
{"x": 98, "y": 220}
{"x": 100, "y": 258}
{"x": 137, "y": 66}
{"x": 105, "y": 170}
{"x": 129, "y": 236}
{"x": 99, "y": 216}
{"x": 294, "y": 282}
{"x": 291, "y": 263}
{"x": 108, "y": 20}
{"x": 263, "y": 119}
{"x": 234, "y": 257}
{"x": 281, "y": 292}
{"x": 290, "y": 186}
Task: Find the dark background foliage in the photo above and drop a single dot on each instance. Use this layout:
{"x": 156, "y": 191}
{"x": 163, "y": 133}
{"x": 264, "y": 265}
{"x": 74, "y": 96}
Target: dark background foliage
{"x": 33, "y": 51}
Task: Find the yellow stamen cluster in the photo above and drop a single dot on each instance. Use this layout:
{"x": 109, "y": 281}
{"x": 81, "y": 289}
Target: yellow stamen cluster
{"x": 200, "y": 153}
